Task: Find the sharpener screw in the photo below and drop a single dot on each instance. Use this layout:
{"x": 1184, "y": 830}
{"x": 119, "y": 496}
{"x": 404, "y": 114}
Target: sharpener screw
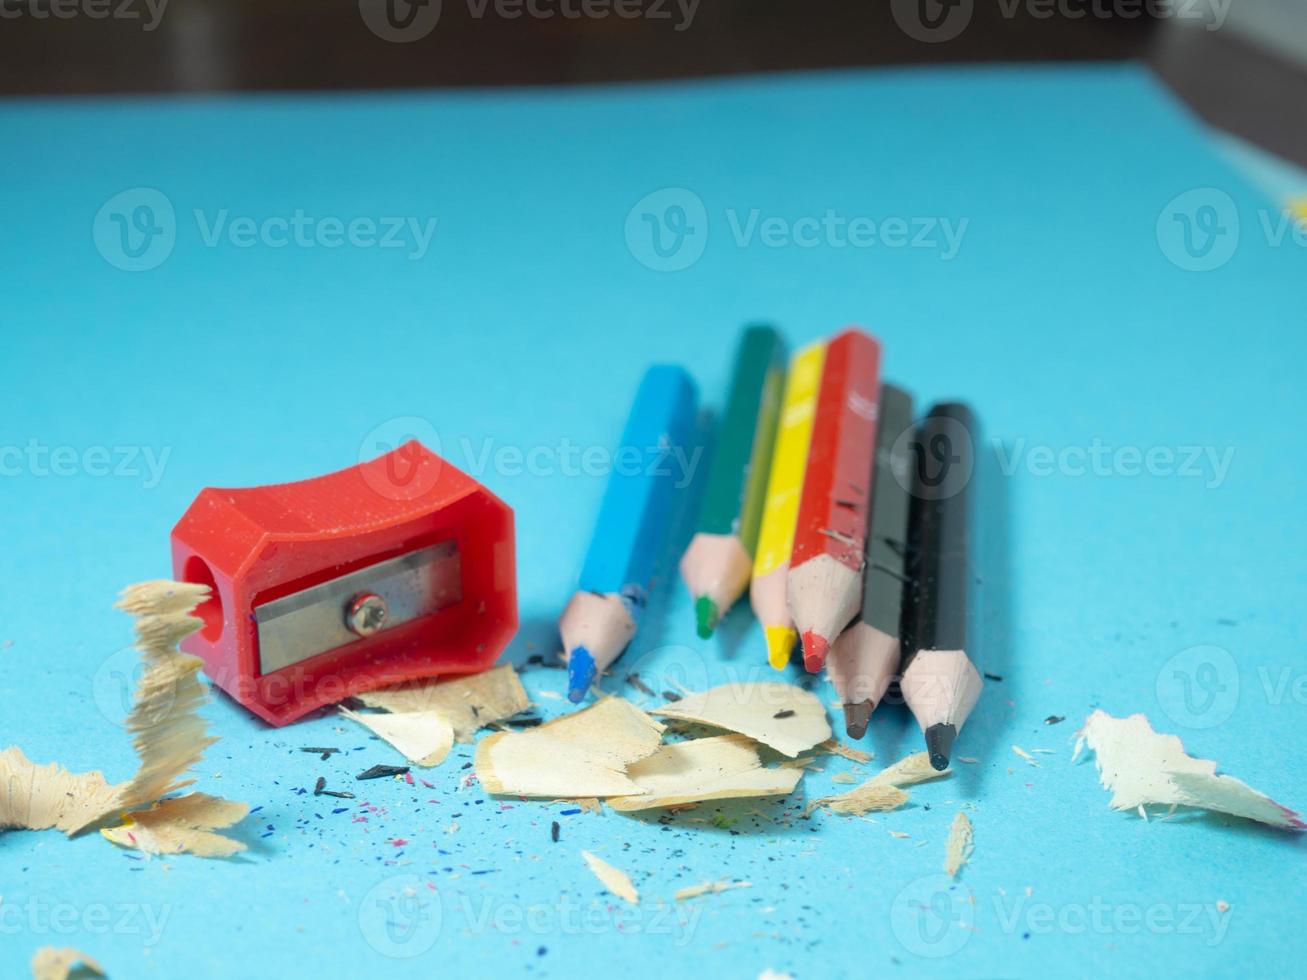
{"x": 366, "y": 613}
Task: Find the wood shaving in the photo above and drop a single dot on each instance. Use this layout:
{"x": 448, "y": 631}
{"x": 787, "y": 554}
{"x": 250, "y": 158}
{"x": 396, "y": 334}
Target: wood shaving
{"x": 1026, "y": 755}
{"x": 958, "y": 848}
{"x": 422, "y": 737}
{"x": 968, "y": 759}
{"x": 870, "y": 797}
{"x": 582, "y": 754}
{"x": 844, "y": 777}
{"x": 181, "y": 825}
{"x": 900, "y": 835}
{"x": 36, "y": 797}
{"x": 909, "y": 771}
{"x": 51, "y": 963}
{"x": 167, "y": 731}
{"x": 710, "y": 888}
{"x": 752, "y": 709}
{"x": 611, "y": 878}
{"x": 883, "y": 791}
{"x": 469, "y": 703}
{"x": 836, "y": 747}
{"x": 1140, "y": 766}
{"x": 718, "y": 768}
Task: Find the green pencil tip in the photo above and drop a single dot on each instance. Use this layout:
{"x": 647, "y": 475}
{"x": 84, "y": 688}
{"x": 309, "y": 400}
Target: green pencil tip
{"x": 705, "y": 616}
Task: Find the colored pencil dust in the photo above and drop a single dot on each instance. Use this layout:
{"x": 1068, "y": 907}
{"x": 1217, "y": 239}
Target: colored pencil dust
{"x": 939, "y": 682}
{"x": 865, "y": 658}
{"x": 717, "y": 564}
{"x": 634, "y": 520}
{"x": 771, "y": 564}
{"x": 825, "y": 584}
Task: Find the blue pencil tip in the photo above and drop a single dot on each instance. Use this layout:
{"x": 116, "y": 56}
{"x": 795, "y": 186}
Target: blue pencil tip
{"x": 580, "y": 674}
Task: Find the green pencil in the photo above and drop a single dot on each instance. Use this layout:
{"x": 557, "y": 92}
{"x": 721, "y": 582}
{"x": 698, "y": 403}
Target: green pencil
{"x": 717, "y": 564}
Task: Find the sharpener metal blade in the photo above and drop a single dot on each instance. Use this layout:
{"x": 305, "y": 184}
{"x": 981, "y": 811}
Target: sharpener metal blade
{"x": 306, "y": 623}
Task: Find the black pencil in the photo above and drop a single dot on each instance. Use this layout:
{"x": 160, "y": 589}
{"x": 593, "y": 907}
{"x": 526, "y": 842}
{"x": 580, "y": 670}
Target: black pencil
{"x": 865, "y": 658}
{"x": 939, "y": 682}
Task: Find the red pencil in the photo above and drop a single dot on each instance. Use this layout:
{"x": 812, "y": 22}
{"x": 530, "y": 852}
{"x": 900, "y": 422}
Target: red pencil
{"x": 825, "y": 585}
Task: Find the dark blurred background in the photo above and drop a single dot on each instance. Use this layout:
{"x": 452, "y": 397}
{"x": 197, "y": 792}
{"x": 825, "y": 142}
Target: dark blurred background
{"x": 1241, "y": 64}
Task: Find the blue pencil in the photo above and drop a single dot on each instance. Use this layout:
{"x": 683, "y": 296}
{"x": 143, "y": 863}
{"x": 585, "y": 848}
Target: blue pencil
{"x": 648, "y": 470}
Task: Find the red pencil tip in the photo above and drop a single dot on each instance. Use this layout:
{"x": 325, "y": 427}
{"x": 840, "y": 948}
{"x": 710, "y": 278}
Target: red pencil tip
{"x": 815, "y": 648}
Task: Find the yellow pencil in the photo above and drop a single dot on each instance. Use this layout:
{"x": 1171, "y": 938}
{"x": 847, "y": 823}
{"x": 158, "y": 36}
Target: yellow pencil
{"x": 771, "y": 564}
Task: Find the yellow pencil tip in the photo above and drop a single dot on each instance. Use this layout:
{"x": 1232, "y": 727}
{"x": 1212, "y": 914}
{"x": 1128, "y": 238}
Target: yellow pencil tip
{"x": 780, "y": 644}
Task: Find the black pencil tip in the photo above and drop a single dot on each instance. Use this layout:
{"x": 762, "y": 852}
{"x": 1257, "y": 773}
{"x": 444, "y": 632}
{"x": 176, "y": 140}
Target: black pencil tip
{"x": 939, "y": 744}
{"x": 856, "y": 717}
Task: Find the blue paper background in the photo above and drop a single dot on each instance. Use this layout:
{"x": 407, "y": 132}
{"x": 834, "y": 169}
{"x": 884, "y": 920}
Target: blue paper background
{"x": 1064, "y": 317}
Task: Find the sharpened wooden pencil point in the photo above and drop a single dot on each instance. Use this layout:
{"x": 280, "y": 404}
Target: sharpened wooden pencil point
{"x": 780, "y": 644}
{"x": 580, "y": 674}
{"x": 857, "y": 717}
{"x": 939, "y": 745}
{"x": 705, "y": 616}
{"x": 815, "y": 648}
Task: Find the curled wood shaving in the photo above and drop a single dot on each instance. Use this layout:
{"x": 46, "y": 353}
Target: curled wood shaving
{"x": 870, "y": 797}
{"x": 469, "y": 703}
{"x": 882, "y": 791}
{"x": 909, "y": 771}
{"x": 36, "y": 797}
{"x": 959, "y": 846}
{"x": 611, "y": 878}
{"x": 582, "y": 754}
{"x": 1140, "y": 766}
{"x": 783, "y": 716}
{"x": 836, "y": 747}
{"x": 181, "y": 825}
{"x": 718, "y": 768}
{"x": 710, "y": 888}
{"x": 167, "y": 732}
{"x": 51, "y": 963}
{"x": 422, "y": 737}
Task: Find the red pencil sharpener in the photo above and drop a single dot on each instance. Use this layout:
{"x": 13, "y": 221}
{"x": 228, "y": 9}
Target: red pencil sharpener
{"x": 396, "y": 569}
